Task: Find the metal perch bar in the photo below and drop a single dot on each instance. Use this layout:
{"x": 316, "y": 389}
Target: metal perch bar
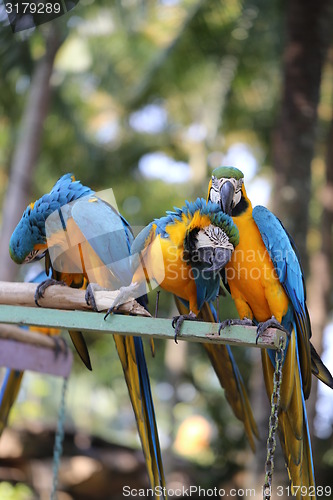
{"x": 193, "y": 331}
{"x": 15, "y": 295}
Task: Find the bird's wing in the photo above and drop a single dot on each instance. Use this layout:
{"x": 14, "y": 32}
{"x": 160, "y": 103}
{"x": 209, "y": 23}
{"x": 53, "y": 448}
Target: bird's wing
{"x": 296, "y": 382}
{"x": 110, "y": 237}
{"x": 289, "y": 272}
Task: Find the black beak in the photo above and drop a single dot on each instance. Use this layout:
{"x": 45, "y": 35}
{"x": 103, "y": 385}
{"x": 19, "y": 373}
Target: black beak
{"x": 218, "y": 257}
{"x": 227, "y": 194}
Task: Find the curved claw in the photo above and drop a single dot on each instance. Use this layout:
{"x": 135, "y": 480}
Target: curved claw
{"x": 111, "y": 310}
{"x": 125, "y": 294}
{"x": 270, "y": 323}
{"x": 174, "y": 321}
{"x": 224, "y": 324}
{"x": 90, "y": 298}
{"x": 40, "y": 290}
{"x": 177, "y": 322}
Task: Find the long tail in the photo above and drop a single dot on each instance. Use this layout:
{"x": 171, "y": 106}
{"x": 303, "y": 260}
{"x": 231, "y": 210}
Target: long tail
{"x": 131, "y": 354}
{"x": 293, "y": 422}
{"x": 8, "y": 394}
{"x": 81, "y": 347}
{"x": 319, "y": 369}
{"x": 229, "y": 376}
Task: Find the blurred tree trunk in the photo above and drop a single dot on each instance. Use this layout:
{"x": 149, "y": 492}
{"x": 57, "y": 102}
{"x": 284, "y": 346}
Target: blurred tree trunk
{"x": 308, "y": 32}
{"x": 308, "y": 35}
{"x": 27, "y": 150}
{"x": 320, "y": 284}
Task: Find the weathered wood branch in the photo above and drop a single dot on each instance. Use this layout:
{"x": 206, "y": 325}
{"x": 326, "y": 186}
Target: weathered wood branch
{"x": 63, "y": 297}
{"x": 18, "y": 334}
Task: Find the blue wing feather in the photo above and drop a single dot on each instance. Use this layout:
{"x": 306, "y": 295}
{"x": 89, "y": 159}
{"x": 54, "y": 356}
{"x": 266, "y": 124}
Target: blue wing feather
{"x": 288, "y": 268}
{"x": 140, "y": 241}
{"x": 110, "y": 237}
{"x": 283, "y": 255}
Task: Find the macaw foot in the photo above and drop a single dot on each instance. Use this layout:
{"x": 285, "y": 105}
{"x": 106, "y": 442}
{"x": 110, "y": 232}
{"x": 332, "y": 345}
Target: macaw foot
{"x": 231, "y": 322}
{"x": 40, "y": 290}
{"x": 89, "y": 295}
{"x": 270, "y": 323}
{"x": 126, "y": 293}
{"x": 60, "y": 345}
{"x": 177, "y": 322}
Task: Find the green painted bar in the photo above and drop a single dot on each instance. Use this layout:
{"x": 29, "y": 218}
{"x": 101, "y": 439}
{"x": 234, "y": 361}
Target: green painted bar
{"x": 193, "y": 331}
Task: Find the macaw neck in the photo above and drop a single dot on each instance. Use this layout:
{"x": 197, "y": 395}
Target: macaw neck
{"x": 248, "y": 230}
{"x": 244, "y": 216}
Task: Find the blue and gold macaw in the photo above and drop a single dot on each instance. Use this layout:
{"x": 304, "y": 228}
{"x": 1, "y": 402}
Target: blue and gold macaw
{"x": 266, "y": 282}
{"x": 12, "y": 379}
{"x": 184, "y": 253}
{"x": 85, "y": 240}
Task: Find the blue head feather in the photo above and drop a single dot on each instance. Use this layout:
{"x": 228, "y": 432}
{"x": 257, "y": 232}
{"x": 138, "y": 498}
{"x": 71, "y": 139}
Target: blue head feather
{"x": 212, "y": 210}
{"x": 30, "y": 231}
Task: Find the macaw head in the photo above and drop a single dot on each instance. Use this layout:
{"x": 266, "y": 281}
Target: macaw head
{"x": 28, "y": 241}
{"x": 226, "y": 188}
{"x": 202, "y": 233}
{"x": 212, "y": 242}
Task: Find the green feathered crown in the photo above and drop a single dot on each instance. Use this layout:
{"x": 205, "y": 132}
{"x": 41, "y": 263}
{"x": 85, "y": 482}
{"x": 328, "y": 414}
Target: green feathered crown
{"x": 227, "y": 173}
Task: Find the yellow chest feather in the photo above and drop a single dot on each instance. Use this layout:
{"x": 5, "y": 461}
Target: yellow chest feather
{"x": 252, "y": 277}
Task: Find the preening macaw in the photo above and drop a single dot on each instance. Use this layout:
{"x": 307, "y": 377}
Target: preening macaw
{"x": 265, "y": 280}
{"x": 184, "y": 252}
{"x": 85, "y": 240}
{"x": 12, "y": 379}
{"x": 29, "y": 242}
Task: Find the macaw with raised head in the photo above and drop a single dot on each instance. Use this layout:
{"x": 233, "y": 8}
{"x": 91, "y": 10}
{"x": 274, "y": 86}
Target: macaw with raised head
{"x": 266, "y": 282}
{"x": 184, "y": 252}
{"x": 85, "y": 240}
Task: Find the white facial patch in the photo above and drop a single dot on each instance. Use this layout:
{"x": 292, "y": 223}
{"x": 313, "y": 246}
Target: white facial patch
{"x": 214, "y": 194}
{"x": 31, "y": 256}
{"x": 34, "y": 255}
{"x": 213, "y": 236}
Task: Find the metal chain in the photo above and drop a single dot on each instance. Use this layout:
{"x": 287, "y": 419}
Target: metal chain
{"x": 59, "y": 438}
{"x": 273, "y": 419}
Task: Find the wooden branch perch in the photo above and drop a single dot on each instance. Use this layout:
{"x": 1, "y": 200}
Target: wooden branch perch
{"x": 18, "y": 334}
{"x": 22, "y": 294}
{"x": 23, "y": 349}
{"x": 63, "y": 297}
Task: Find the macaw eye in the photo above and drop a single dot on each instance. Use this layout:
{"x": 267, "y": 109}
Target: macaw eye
{"x": 238, "y": 186}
